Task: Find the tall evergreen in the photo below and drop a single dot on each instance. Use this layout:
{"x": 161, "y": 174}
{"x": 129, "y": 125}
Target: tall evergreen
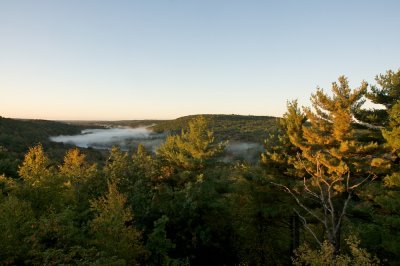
{"x": 386, "y": 94}
{"x": 192, "y": 149}
{"x": 335, "y": 162}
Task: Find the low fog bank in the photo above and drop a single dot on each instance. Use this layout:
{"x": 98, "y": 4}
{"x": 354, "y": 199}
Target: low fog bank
{"x": 129, "y": 138}
{"x": 126, "y": 138}
{"x": 246, "y": 151}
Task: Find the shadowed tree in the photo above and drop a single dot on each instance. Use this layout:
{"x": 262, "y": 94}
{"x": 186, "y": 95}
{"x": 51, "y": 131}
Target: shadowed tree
{"x": 113, "y": 228}
{"x": 16, "y": 227}
{"x": 387, "y": 194}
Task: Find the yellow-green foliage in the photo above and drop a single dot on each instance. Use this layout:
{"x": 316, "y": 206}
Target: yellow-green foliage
{"x": 118, "y": 166}
{"x": 35, "y": 167}
{"x": 192, "y": 148}
{"x": 324, "y": 256}
{"x": 329, "y": 139}
{"x": 335, "y": 162}
{"x": 392, "y": 134}
{"x": 75, "y": 168}
{"x": 386, "y": 93}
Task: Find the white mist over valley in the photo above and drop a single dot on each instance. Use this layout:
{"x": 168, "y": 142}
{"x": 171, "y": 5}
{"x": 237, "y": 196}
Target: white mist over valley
{"x": 128, "y": 138}
{"x": 124, "y": 137}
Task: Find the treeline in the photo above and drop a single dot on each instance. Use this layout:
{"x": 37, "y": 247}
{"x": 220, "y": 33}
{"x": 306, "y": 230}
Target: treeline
{"x": 227, "y": 127}
{"x": 326, "y": 192}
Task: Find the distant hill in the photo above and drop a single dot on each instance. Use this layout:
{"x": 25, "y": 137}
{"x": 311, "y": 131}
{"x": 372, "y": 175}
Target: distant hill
{"x": 227, "y": 127}
{"x": 125, "y": 123}
{"x": 17, "y": 135}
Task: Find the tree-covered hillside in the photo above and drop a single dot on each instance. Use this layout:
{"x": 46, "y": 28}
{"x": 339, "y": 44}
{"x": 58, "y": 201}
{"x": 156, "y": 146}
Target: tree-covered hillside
{"x": 227, "y": 127}
{"x": 17, "y": 136}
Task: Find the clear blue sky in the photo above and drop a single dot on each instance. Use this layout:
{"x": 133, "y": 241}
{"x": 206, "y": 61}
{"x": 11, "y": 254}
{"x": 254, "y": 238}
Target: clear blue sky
{"x": 145, "y": 59}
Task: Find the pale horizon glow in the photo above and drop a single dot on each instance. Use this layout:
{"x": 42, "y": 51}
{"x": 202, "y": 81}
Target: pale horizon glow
{"x": 126, "y": 60}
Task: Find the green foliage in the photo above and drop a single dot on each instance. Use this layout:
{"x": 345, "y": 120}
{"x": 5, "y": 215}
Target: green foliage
{"x": 335, "y": 162}
{"x": 7, "y": 185}
{"x": 119, "y": 168}
{"x": 42, "y": 185}
{"x": 226, "y": 127}
{"x": 387, "y": 95}
{"x": 325, "y": 255}
{"x": 260, "y": 214}
{"x": 193, "y": 208}
{"x": 192, "y": 149}
{"x": 75, "y": 167}
{"x": 16, "y": 226}
{"x": 392, "y": 133}
{"x": 110, "y": 226}
{"x": 16, "y": 136}
{"x": 8, "y": 163}
{"x": 158, "y": 243}
{"x": 280, "y": 154}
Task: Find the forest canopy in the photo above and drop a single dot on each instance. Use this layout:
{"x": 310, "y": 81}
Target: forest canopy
{"x": 325, "y": 190}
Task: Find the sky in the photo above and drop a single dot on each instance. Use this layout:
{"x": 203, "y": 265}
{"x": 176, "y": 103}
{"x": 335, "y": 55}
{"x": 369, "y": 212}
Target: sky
{"x": 162, "y": 59}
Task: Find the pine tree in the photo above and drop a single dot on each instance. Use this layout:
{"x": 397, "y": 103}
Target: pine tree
{"x": 335, "y": 162}
{"x": 386, "y": 94}
{"x": 158, "y": 243}
{"x": 113, "y": 227}
{"x": 392, "y": 132}
{"x": 283, "y": 167}
{"x": 387, "y": 196}
{"x": 119, "y": 169}
{"x": 191, "y": 150}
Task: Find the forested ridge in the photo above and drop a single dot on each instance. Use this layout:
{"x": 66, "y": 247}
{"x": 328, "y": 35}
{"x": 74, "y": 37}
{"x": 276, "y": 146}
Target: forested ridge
{"x": 226, "y": 127}
{"x": 18, "y": 135}
{"x": 325, "y": 191}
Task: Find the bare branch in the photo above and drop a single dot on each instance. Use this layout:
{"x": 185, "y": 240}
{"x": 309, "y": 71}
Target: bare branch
{"x": 309, "y": 190}
{"x": 307, "y": 227}
{"x": 342, "y": 214}
{"x": 362, "y": 182}
{"x": 299, "y": 202}
{"x": 322, "y": 198}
